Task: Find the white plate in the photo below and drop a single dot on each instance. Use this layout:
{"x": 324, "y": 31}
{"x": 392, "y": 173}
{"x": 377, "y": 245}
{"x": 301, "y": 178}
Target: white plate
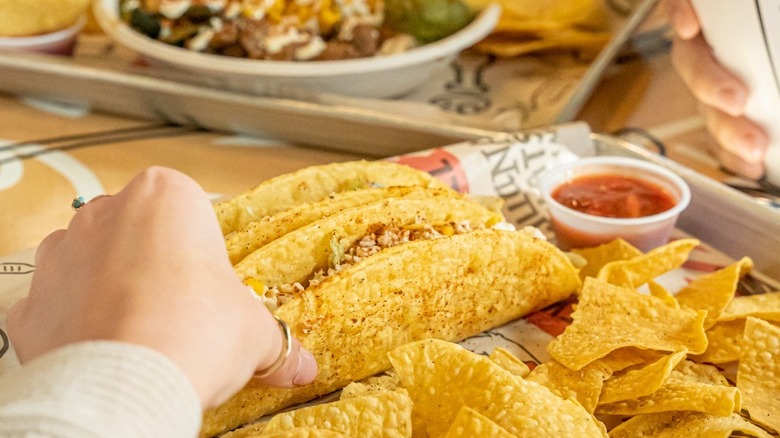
{"x": 378, "y": 76}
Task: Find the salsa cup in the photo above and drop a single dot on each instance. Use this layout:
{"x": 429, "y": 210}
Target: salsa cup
{"x": 576, "y": 229}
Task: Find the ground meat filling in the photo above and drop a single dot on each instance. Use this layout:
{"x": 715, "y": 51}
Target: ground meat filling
{"x": 379, "y": 237}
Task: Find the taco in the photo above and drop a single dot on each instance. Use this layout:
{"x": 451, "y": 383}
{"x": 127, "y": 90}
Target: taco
{"x": 312, "y": 184}
{"x": 443, "y": 284}
{"x": 291, "y": 262}
{"x": 256, "y": 234}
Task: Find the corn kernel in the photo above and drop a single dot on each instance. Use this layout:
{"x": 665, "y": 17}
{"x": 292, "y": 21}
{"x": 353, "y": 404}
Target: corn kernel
{"x": 256, "y": 285}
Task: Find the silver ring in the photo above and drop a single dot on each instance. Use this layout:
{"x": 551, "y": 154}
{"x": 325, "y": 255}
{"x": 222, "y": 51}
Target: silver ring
{"x": 78, "y": 202}
{"x": 283, "y": 355}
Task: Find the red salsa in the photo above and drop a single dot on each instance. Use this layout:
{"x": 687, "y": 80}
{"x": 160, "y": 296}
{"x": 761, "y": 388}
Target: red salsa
{"x": 612, "y": 195}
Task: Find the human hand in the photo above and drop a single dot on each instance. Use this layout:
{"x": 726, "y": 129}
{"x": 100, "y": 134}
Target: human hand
{"x": 148, "y": 266}
{"x": 741, "y": 143}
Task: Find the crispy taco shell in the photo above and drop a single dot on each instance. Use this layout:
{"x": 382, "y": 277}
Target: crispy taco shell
{"x": 449, "y": 288}
{"x": 296, "y": 256}
{"x": 312, "y": 184}
{"x": 256, "y": 234}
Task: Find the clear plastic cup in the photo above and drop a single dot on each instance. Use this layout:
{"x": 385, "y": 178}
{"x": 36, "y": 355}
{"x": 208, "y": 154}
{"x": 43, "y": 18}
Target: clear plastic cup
{"x": 61, "y": 42}
{"x": 575, "y": 229}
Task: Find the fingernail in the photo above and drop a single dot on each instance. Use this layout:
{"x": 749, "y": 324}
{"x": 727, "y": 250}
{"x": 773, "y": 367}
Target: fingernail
{"x": 751, "y": 150}
{"x": 732, "y": 100}
{"x": 682, "y": 25}
{"x": 307, "y": 368}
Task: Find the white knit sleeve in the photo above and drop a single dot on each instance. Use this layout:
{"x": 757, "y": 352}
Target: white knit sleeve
{"x": 99, "y": 389}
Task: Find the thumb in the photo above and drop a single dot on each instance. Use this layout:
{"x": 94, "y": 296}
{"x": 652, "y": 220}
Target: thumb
{"x": 299, "y": 368}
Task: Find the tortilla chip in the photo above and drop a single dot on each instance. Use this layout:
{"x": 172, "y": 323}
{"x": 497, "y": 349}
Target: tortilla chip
{"x": 248, "y": 431}
{"x": 561, "y": 10}
{"x": 639, "y": 382}
{"x": 639, "y": 270}
{"x": 528, "y": 26}
{"x": 508, "y": 361}
{"x": 371, "y": 386}
{"x": 763, "y": 306}
{"x": 584, "y": 385}
{"x": 622, "y": 358}
{"x": 470, "y": 423}
{"x": 689, "y": 387}
{"x": 507, "y": 45}
{"x": 723, "y": 342}
{"x": 314, "y": 183}
{"x": 599, "y": 256}
{"x": 758, "y": 374}
{"x": 35, "y": 17}
{"x": 296, "y": 432}
{"x": 448, "y": 288}
{"x": 688, "y": 370}
{"x": 526, "y": 29}
{"x": 443, "y": 377}
{"x": 377, "y": 385}
{"x": 387, "y": 414}
{"x": 304, "y": 432}
{"x": 540, "y": 10}
{"x": 713, "y": 291}
{"x": 609, "y": 317}
{"x": 662, "y": 294}
{"x": 686, "y": 425}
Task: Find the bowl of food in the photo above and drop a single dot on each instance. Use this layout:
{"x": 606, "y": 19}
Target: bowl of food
{"x": 42, "y": 26}
{"x": 366, "y": 48}
{"x": 597, "y": 199}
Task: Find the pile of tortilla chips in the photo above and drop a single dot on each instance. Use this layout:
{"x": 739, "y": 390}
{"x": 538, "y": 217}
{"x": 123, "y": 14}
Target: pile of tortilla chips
{"x": 33, "y": 17}
{"x": 528, "y": 26}
{"x": 671, "y": 357}
{"x": 636, "y": 361}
